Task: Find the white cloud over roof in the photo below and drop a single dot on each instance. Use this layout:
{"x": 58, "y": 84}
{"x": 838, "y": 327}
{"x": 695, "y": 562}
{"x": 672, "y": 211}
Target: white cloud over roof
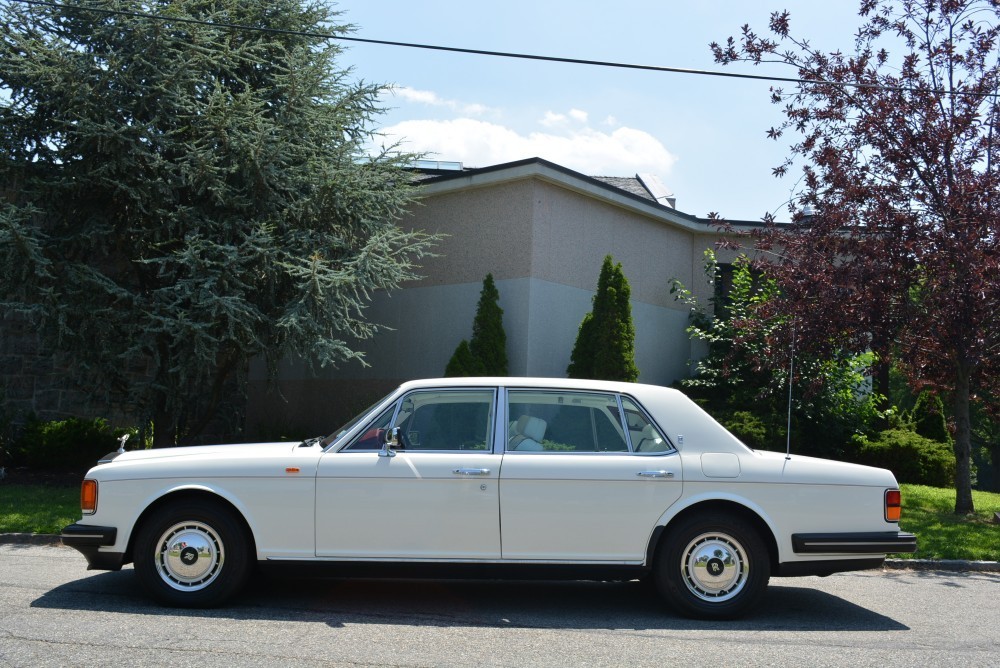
{"x": 565, "y": 139}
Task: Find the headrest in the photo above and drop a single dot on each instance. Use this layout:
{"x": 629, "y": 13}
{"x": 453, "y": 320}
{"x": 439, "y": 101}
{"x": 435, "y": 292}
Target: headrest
{"x": 531, "y": 427}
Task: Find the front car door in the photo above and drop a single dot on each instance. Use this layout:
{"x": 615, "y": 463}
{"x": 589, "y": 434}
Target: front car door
{"x": 436, "y": 498}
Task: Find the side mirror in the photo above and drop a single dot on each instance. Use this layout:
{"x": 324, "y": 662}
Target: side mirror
{"x": 390, "y": 441}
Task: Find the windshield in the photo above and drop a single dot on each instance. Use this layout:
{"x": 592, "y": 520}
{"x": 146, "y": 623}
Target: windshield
{"x": 353, "y": 421}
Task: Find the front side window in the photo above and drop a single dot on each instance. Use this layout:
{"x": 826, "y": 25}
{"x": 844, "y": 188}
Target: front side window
{"x": 373, "y": 437}
{"x": 555, "y": 421}
{"x": 435, "y": 420}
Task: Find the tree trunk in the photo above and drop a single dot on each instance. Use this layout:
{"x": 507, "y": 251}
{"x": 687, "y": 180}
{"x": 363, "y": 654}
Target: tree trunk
{"x": 963, "y": 443}
{"x": 164, "y": 425}
{"x": 880, "y": 384}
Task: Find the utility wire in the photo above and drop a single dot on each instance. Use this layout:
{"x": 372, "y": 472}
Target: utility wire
{"x": 498, "y": 54}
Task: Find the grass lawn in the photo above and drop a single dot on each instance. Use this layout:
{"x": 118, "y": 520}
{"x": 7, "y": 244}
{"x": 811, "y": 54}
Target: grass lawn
{"x": 927, "y": 512}
{"x": 941, "y": 534}
{"x": 38, "y": 508}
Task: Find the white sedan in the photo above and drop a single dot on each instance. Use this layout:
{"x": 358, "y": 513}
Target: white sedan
{"x": 474, "y": 477}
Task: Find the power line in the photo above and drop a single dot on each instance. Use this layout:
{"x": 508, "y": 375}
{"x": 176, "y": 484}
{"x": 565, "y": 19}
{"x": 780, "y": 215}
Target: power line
{"x": 499, "y": 54}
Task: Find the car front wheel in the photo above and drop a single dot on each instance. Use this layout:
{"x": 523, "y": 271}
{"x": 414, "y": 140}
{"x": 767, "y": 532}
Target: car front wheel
{"x": 192, "y": 554}
{"x": 712, "y": 566}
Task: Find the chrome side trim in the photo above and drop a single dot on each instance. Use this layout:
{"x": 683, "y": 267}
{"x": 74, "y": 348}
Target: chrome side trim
{"x": 874, "y": 542}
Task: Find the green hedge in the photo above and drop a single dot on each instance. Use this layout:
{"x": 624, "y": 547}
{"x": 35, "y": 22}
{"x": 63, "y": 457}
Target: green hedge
{"x": 65, "y": 445}
{"x": 747, "y": 427}
{"x": 913, "y": 458}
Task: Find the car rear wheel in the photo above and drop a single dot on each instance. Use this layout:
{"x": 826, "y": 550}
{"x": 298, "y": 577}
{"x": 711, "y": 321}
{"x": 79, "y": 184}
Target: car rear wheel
{"x": 712, "y": 566}
{"x": 192, "y": 554}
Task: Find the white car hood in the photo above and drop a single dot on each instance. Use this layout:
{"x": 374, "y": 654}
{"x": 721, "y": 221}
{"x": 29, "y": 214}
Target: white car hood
{"x": 221, "y": 451}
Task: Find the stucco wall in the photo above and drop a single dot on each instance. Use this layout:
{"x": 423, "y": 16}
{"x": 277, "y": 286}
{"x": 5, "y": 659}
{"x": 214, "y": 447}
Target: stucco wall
{"x": 544, "y": 245}
{"x": 541, "y": 319}
{"x": 487, "y": 230}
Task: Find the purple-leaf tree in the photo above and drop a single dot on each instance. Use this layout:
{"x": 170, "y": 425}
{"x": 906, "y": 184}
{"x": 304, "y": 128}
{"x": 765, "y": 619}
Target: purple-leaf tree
{"x": 895, "y": 241}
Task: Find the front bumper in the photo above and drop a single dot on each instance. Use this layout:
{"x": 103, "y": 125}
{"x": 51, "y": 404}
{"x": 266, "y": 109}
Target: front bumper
{"x": 88, "y": 540}
{"x": 873, "y": 542}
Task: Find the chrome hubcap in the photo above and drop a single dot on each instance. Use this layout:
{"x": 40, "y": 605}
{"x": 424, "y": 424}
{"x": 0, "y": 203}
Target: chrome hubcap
{"x": 715, "y": 567}
{"x": 189, "y": 556}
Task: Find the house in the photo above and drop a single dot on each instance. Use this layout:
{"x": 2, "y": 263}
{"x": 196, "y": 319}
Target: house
{"x": 542, "y": 230}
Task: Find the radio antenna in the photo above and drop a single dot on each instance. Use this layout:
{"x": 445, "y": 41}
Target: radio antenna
{"x": 791, "y": 376}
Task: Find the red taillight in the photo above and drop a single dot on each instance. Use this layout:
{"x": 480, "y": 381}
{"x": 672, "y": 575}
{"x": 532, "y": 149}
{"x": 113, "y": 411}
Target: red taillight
{"x": 893, "y": 505}
{"x": 88, "y": 497}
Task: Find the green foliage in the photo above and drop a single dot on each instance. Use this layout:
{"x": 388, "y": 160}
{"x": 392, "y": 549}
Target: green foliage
{"x": 913, "y": 458}
{"x": 65, "y": 445}
{"x": 831, "y": 401}
{"x": 749, "y": 428}
{"x": 463, "y": 363}
{"x": 986, "y": 439}
{"x": 605, "y": 342}
{"x": 489, "y": 341}
{"x": 183, "y": 198}
{"x": 6, "y": 433}
{"x": 486, "y": 353}
{"x": 929, "y": 419}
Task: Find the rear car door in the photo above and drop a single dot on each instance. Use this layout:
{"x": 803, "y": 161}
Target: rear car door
{"x": 587, "y": 482}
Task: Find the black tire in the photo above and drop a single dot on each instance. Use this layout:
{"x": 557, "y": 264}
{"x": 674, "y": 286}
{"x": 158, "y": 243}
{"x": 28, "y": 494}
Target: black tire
{"x": 712, "y": 566}
{"x": 192, "y": 554}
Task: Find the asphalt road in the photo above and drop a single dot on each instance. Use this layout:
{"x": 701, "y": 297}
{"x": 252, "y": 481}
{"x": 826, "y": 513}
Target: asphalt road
{"x": 53, "y": 612}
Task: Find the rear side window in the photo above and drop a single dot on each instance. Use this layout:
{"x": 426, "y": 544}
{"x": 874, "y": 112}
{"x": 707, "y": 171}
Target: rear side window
{"x": 553, "y": 421}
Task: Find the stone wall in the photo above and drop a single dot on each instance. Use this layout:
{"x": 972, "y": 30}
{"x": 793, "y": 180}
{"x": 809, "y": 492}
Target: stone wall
{"x": 32, "y": 382}
{"x": 36, "y": 382}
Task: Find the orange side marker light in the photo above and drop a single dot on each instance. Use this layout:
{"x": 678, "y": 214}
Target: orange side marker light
{"x": 88, "y": 497}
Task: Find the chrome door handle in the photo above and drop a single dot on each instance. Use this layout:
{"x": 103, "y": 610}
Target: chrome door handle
{"x": 655, "y": 474}
{"x": 471, "y": 471}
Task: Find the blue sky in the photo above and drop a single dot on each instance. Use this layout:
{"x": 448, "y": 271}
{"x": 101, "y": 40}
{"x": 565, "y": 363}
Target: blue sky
{"x": 703, "y": 136}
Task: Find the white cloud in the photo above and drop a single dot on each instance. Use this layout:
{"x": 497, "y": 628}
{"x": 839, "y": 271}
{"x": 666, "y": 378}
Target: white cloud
{"x": 476, "y": 143}
{"x": 552, "y": 119}
{"x": 430, "y": 98}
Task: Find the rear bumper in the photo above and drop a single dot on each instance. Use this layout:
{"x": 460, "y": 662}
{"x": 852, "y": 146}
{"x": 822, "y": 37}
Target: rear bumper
{"x": 88, "y": 540}
{"x": 875, "y": 542}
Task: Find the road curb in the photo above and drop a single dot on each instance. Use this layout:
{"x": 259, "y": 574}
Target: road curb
{"x": 956, "y": 565}
{"x": 942, "y": 565}
{"x": 29, "y": 539}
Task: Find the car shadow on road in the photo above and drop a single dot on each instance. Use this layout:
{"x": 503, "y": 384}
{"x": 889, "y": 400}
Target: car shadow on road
{"x": 472, "y": 603}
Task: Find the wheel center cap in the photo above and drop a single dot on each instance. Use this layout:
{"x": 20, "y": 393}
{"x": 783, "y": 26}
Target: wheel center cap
{"x": 189, "y": 555}
{"x": 715, "y": 567}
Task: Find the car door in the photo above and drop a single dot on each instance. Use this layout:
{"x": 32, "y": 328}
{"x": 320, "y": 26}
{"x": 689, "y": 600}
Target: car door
{"x": 587, "y": 482}
{"x": 436, "y": 497}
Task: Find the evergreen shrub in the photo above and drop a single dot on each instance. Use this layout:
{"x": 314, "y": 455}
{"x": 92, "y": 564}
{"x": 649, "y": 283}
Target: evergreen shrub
{"x": 605, "y": 343}
{"x": 747, "y": 427}
{"x": 486, "y": 353}
{"x": 914, "y": 459}
{"x": 928, "y": 417}
{"x": 65, "y": 445}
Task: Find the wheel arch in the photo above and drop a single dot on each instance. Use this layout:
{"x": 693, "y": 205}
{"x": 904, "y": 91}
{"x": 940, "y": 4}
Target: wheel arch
{"x": 729, "y": 506}
{"x": 196, "y": 494}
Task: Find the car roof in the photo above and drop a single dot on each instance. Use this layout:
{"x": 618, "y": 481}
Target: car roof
{"x": 536, "y": 383}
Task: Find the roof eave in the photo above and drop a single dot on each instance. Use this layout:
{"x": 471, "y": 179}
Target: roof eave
{"x": 550, "y": 172}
